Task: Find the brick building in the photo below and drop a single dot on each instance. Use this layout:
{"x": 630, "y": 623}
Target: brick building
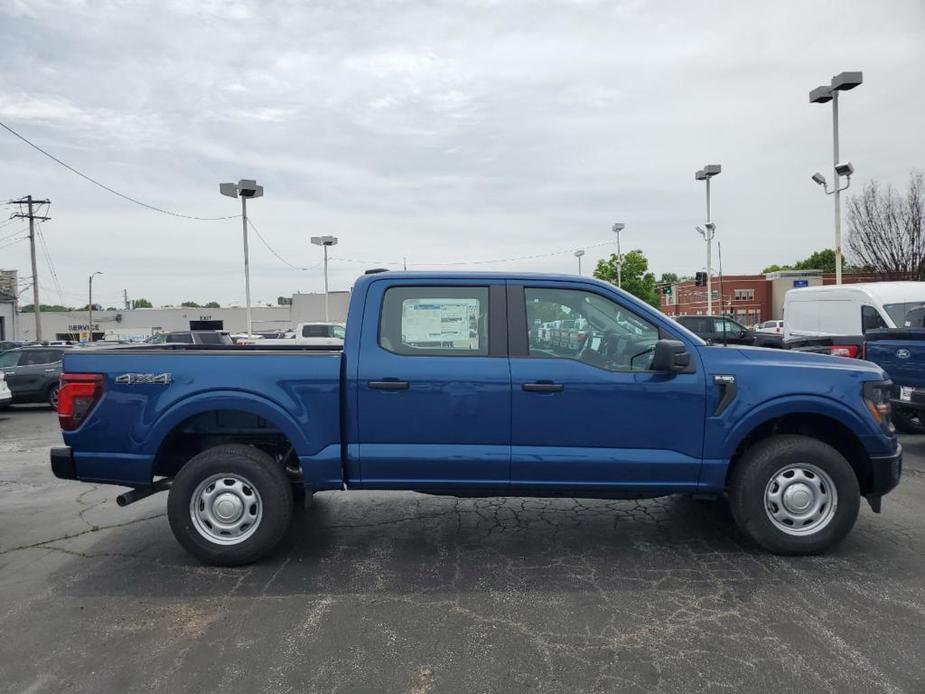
{"x": 749, "y": 299}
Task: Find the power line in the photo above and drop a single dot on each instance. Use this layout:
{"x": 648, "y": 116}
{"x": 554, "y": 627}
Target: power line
{"x": 278, "y": 256}
{"x": 14, "y": 241}
{"x": 14, "y": 234}
{"x": 50, "y": 263}
{"x": 534, "y": 256}
{"x": 107, "y": 188}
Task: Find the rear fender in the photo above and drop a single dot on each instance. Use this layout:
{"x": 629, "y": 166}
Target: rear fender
{"x": 227, "y": 400}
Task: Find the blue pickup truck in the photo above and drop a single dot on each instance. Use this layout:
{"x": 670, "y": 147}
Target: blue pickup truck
{"x": 444, "y": 386}
{"x": 901, "y": 353}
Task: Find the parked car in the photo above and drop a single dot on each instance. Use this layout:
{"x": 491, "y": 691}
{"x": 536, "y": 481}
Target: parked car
{"x": 191, "y": 337}
{"x": 312, "y": 333}
{"x": 718, "y": 329}
{"x": 770, "y": 326}
{"x": 833, "y": 319}
{"x": 901, "y": 353}
{"x": 439, "y": 389}
{"x": 6, "y": 397}
{"x": 32, "y": 373}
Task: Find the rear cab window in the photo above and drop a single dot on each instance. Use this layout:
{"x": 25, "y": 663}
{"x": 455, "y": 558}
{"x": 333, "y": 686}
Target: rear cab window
{"x": 435, "y": 321}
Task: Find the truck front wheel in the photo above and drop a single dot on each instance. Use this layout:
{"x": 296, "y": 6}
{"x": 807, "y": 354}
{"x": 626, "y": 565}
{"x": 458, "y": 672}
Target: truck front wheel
{"x": 230, "y": 505}
{"x": 794, "y": 495}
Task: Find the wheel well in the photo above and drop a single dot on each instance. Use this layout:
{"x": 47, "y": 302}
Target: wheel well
{"x": 208, "y": 429}
{"x": 826, "y": 429}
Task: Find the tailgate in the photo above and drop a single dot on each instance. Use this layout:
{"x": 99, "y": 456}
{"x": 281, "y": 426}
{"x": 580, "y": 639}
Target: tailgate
{"x": 899, "y": 352}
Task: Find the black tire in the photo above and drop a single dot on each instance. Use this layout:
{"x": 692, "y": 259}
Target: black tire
{"x": 907, "y": 421}
{"x": 751, "y": 480}
{"x": 261, "y": 475}
{"x": 52, "y": 395}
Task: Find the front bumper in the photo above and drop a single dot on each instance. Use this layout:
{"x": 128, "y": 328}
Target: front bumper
{"x": 885, "y": 473}
{"x": 916, "y": 399}
{"x": 62, "y": 463}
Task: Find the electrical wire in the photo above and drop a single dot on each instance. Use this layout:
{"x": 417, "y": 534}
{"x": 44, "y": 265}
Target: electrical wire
{"x": 107, "y": 188}
{"x": 534, "y": 256}
{"x": 3, "y": 238}
{"x": 273, "y": 251}
{"x": 12, "y": 242}
{"x": 49, "y": 262}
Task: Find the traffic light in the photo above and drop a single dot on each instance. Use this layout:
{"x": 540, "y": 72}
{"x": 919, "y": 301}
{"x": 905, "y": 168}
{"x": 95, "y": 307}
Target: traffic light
{"x": 700, "y": 279}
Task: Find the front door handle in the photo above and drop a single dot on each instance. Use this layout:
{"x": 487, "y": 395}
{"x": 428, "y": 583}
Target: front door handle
{"x": 543, "y": 387}
{"x": 392, "y": 384}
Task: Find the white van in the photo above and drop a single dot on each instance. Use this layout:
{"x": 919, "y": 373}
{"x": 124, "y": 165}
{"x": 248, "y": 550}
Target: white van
{"x": 849, "y": 309}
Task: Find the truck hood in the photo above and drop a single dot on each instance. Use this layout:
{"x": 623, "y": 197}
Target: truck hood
{"x": 717, "y": 357}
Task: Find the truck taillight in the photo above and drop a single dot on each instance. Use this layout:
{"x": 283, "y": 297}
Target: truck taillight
{"x": 844, "y": 351}
{"x": 77, "y": 397}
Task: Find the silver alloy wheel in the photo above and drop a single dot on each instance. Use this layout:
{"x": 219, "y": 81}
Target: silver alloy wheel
{"x": 800, "y": 499}
{"x": 226, "y": 509}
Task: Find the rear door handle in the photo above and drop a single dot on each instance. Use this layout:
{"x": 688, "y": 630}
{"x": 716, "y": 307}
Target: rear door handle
{"x": 540, "y": 387}
{"x": 389, "y": 385}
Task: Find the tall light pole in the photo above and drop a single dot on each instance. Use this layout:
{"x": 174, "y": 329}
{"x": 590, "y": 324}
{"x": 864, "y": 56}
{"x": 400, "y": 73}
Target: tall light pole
{"x": 842, "y": 82}
{"x": 324, "y": 242}
{"x": 708, "y": 231}
{"x": 578, "y": 255}
{"x": 245, "y": 188}
{"x": 705, "y": 174}
{"x": 617, "y": 228}
{"x": 90, "y": 305}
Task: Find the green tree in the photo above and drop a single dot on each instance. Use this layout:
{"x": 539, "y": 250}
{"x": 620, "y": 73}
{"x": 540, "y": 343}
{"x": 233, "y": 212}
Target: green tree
{"x": 86, "y": 307}
{"x": 637, "y": 279}
{"x": 46, "y": 308}
{"x": 142, "y": 303}
{"x": 775, "y": 268}
{"x": 189, "y": 304}
{"x": 669, "y": 278}
{"x": 213, "y": 304}
{"x": 820, "y": 260}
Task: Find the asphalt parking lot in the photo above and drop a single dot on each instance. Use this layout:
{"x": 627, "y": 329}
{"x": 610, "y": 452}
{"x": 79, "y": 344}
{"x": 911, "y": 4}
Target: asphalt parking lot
{"x": 408, "y": 593}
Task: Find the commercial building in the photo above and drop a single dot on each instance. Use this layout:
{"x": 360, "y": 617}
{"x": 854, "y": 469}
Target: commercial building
{"x": 141, "y": 323}
{"x": 749, "y": 299}
{"x": 8, "y": 292}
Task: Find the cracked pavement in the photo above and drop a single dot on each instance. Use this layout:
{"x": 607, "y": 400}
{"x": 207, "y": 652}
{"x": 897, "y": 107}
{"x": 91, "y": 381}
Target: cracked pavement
{"x": 400, "y": 592}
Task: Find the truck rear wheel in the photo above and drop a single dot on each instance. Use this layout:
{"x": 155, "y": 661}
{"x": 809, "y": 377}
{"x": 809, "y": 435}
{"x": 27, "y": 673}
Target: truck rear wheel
{"x": 794, "y": 495}
{"x": 230, "y": 505}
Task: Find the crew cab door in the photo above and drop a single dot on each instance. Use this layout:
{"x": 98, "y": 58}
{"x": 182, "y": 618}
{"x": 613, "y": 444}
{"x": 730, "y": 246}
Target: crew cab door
{"x": 597, "y": 418}
{"x": 433, "y": 383}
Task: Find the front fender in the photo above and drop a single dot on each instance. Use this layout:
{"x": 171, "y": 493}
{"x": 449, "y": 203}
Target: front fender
{"x": 788, "y": 405}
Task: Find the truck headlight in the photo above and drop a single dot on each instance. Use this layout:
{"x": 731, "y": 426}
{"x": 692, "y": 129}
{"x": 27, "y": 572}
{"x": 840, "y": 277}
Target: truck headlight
{"x": 877, "y": 399}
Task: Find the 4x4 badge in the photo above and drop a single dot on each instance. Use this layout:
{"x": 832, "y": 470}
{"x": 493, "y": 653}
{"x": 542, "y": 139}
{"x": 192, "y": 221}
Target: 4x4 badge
{"x": 144, "y": 379}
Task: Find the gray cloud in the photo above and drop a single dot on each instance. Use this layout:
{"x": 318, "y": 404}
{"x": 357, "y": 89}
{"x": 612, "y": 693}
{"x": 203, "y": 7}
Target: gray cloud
{"x": 440, "y": 131}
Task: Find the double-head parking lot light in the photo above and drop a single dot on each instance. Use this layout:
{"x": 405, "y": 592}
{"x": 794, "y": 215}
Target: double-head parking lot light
{"x": 244, "y": 189}
{"x": 841, "y": 82}
{"x": 325, "y": 242}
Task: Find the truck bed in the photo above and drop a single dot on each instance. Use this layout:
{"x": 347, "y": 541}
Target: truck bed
{"x": 155, "y": 395}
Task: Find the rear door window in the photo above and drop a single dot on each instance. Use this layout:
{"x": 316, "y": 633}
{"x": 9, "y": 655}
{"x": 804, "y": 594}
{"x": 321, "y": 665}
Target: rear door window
{"x": 435, "y": 321}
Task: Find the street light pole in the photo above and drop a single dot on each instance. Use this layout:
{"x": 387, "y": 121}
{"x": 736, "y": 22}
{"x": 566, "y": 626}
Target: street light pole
{"x": 247, "y": 271}
{"x": 617, "y": 228}
{"x": 90, "y": 305}
{"x": 578, "y": 255}
{"x": 324, "y": 242}
{"x": 245, "y": 188}
{"x": 705, "y": 174}
{"x": 820, "y": 95}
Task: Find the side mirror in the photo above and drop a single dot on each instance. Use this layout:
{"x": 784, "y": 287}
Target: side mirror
{"x": 670, "y": 356}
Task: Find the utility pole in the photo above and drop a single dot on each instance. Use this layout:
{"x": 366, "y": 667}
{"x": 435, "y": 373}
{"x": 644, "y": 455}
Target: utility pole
{"x": 125, "y": 298}
{"x": 31, "y": 216}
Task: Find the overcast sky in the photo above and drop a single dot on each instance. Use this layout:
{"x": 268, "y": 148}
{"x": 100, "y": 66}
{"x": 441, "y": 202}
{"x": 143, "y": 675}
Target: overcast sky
{"x": 441, "y": 131}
